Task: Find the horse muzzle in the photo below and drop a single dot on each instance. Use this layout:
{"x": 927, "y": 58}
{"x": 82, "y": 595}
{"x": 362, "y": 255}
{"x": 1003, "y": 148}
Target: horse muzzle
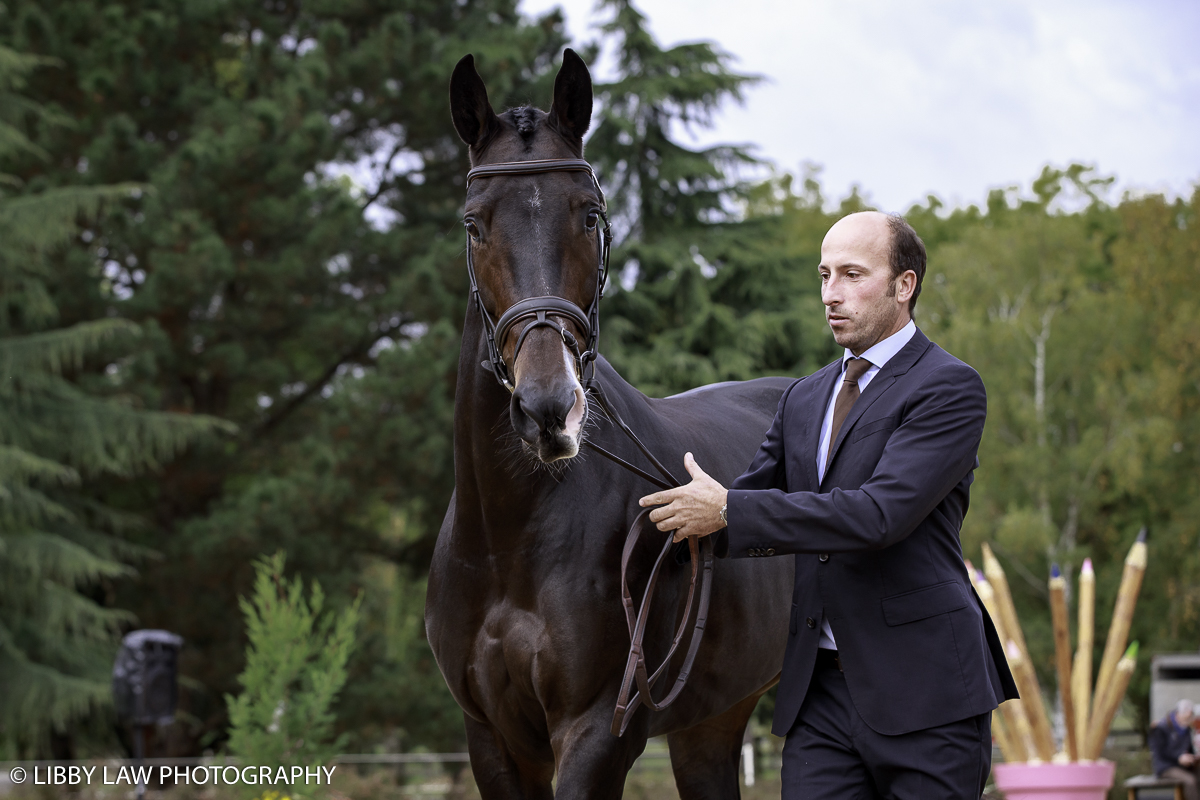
{"x": 549, "y": 419}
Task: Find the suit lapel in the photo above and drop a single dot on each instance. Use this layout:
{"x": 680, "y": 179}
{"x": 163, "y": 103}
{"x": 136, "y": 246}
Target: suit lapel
{"x": 815, "y": 403}
{"x": 887, "y": 375}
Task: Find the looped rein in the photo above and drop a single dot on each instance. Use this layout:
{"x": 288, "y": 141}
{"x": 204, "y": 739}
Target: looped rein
{"x": 636, "y": 671}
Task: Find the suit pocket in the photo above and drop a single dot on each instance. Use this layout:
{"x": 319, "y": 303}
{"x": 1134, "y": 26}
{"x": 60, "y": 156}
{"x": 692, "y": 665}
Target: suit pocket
{"x": 923, "y": 603}
{"x": 862, "y": 431}
{"x": 795, "y": 608}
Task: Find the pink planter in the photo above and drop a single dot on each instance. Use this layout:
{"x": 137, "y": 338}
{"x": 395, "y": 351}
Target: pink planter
{"x": 1055, "y": 781}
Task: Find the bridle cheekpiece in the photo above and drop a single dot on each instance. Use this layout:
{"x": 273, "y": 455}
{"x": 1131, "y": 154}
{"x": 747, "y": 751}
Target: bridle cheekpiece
{"x": 540, "y": 309}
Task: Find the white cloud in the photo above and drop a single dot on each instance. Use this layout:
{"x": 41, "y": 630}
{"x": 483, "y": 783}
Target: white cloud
{"x": 948, "y": 97}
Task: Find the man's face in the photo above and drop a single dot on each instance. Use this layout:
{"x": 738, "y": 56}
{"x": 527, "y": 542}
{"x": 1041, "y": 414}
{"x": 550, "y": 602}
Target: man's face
{"x": 862, "y": 305}
{"x": 1183, "y": 717}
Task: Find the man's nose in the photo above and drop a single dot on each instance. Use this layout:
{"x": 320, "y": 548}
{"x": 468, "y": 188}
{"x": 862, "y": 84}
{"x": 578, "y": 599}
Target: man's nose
{"x": 830, "y": 295}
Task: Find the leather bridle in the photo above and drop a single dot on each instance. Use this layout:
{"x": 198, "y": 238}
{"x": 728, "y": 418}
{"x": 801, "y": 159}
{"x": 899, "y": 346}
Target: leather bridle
{"x": 540, "y": 309}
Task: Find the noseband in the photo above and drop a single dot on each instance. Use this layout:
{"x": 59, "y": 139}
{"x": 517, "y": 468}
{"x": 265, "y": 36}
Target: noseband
{"x": 539, "y": 309}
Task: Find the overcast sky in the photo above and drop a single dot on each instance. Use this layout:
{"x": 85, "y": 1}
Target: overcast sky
{"x": 949, "y": 97}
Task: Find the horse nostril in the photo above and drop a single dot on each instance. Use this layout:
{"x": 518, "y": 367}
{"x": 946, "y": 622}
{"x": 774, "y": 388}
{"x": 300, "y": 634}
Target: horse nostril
{"x": 545, "y": 410}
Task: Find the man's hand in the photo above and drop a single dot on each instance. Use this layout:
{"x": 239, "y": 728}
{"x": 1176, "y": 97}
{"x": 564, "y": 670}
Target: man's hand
{"x": 691, "y": 510}
{"x": 1186, "y": 760}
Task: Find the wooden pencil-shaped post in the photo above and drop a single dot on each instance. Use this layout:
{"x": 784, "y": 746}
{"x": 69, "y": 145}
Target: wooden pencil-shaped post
{"x": 1062, "y": 656}
{"x": 1000, "y": 733}
{"x": 1016, "y": 723}
{"x": 1031, "y": 696}
{"x": 1020, "y": 735}
{"x": 1004, "y": 603}
{"x": 1081, "y": 670}
{"x": 1118, "y": 629}
{"x": 1108, "y": 700}
{"x": 1027, "y": 683}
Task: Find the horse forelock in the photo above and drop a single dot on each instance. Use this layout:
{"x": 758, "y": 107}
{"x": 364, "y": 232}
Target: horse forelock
{"x": 520, "y": 136}
{"x": 525, "y": 119}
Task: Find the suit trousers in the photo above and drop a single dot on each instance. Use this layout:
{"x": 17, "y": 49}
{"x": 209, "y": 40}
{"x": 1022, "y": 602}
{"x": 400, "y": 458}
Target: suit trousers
{"x": 831, "y": 753}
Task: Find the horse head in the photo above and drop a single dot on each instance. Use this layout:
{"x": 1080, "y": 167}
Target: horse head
{"x": 536, "y": 250}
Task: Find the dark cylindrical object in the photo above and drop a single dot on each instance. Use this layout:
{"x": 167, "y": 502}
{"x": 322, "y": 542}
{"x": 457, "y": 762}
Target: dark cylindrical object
{"x": 145, "y": 688}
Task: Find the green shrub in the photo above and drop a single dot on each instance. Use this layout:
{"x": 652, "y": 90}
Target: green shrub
{"x": 295, "y": 667}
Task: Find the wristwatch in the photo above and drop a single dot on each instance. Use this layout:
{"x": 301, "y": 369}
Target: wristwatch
{"x": 725, "y": 514}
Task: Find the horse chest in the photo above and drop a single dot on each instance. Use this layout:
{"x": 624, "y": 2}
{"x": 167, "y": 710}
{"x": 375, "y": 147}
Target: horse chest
{"x": 511, "y": 666}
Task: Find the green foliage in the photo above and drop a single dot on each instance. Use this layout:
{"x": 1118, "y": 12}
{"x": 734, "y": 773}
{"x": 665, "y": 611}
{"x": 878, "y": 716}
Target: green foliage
{"x": 294, "y": 261}
{"x": 295, "y": 667}
{"x": 57, "y": 545}
{"x": 708, "y": 272}
{"x": 1075, "y": 322}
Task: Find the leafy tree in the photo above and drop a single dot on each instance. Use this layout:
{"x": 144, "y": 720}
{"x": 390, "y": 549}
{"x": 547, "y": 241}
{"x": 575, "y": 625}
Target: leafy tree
{"x": 295, "y": 667}
{"x": 1074, "y": 322}
{"x": 57, "y": 545}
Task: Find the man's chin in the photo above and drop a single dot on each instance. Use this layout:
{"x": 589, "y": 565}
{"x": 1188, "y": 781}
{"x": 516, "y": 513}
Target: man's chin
{"x": 845, "y": 339}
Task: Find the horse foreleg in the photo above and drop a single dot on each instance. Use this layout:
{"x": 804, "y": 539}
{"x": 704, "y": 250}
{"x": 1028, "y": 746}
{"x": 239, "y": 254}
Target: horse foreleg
{"x": 498, "y": 774}
{"x": 705, "y": 757}
{"x": 592, "y": 763}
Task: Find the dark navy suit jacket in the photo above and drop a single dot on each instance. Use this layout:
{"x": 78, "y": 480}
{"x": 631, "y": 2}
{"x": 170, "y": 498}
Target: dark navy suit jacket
{"x": 876, "y": 542}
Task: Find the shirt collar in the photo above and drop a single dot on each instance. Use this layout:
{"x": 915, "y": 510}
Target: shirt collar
{"x": 882, "y": 352}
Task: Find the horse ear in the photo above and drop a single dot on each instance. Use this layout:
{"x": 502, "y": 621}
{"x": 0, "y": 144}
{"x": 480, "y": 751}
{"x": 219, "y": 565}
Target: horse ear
{"x": 469, "y": 106}
{"x": 571, "y": 111}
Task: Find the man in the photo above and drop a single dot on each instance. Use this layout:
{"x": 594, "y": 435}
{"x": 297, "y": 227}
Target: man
{"x": 1172, "y": 750}
{"x": 892, "y": 666}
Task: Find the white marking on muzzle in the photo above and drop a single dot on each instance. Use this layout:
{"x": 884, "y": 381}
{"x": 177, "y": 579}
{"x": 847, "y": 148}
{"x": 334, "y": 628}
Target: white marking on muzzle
{"x": 574, "y": 424}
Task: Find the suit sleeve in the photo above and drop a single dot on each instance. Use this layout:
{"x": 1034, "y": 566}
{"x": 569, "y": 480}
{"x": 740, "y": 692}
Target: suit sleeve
{"x": 766, "y": 470}
{"x": 932, "y": 449}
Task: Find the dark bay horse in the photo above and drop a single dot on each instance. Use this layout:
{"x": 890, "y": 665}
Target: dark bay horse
{"x": 524, "y": 606}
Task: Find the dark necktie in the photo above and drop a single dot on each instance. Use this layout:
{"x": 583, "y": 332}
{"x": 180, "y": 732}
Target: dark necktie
{"x": 855, "y": 369}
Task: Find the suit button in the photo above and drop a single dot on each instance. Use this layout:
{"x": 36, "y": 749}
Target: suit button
{"x": 753, "y": 551}
{"x": 810, "y": 622}
{"x": 823, "y": 557}
{"x": 770, "y": 551}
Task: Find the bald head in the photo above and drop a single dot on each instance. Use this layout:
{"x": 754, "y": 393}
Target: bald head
{"x": 862, "y": 223}
{"x": 889, "y": 238}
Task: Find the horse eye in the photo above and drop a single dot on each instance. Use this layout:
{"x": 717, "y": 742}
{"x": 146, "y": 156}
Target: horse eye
{"x": 472, "y": 229}
{"x": 593, "y": 219}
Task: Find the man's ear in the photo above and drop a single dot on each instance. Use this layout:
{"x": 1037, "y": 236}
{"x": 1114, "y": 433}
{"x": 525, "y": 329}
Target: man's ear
{"x": 469, "y": 106}
{"x": 906, "y": 286}
{"x": 571, "y": 112}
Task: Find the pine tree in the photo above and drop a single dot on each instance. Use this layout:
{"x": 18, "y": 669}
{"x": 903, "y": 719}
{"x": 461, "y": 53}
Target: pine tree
{"x": 296, "y": 265}
{"x": 707, "y": 281}
{"x": 295, "y": 668}
{"x": 56, "y": 545}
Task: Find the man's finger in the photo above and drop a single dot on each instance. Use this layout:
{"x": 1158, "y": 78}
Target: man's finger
{"x": 693, "y": 468}
{"x": 658, "y": 498}
{"x": 689, "y": 462}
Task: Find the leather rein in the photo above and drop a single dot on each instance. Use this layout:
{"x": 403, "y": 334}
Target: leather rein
{"x": 539, "y": 311}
